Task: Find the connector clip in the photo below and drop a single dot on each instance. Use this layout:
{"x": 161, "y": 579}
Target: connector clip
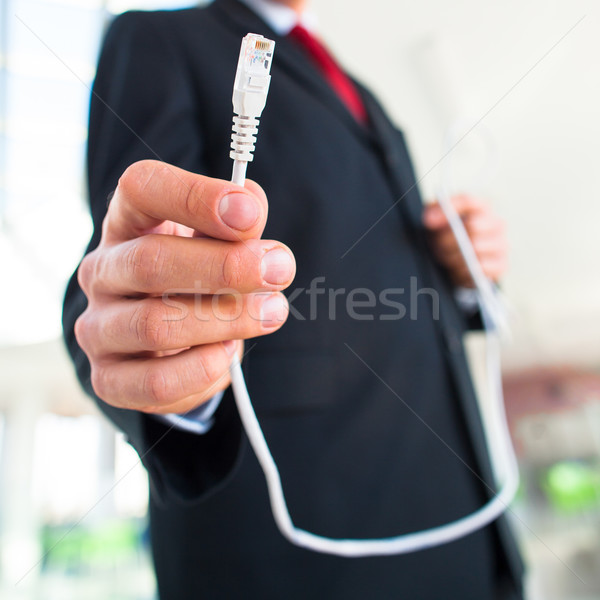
{"x": 252, "y": 77}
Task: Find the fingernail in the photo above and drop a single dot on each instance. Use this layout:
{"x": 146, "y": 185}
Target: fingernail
{"x": 230, "y": 346}
{"x": 238, "y": 211}
{"x": 273, "y": 311}
{"x": 277, "y": 266}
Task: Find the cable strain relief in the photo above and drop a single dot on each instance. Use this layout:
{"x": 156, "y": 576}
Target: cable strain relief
{"x": 243, "y": 138}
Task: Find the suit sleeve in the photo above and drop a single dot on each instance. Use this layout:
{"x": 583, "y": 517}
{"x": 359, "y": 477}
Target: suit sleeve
{"x": 144, "y": 106}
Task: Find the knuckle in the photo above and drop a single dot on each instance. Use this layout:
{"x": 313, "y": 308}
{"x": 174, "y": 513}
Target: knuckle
{"x": 85, "y": 272}
{"x": 156, "y": 386}
{"x": 209, "y": 369}
{"x": 230, "y": 269}
{"x": 94, "y": 273}
{"x": 150, "y": 327}
{"x": 100, "y": 382}
{"x": 136, "y": 176}
{"x": 127, "y": 179}
{"x": 86, "y": 330}
{"x": 147, "y": 263}
{"x": 82, "y": 330}
{"x": 195, "y": 200}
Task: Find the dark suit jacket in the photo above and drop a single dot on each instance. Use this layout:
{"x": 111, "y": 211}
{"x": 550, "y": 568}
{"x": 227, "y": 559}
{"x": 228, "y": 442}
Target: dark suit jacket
{"x": 355, "y": 460}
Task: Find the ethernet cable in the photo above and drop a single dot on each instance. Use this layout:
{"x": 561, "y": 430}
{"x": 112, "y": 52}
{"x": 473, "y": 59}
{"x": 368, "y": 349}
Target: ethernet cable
{"x": 249, "y": 98}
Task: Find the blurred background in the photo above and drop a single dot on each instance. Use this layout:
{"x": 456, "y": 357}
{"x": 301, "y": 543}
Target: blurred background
{"x": 516, "y": 81}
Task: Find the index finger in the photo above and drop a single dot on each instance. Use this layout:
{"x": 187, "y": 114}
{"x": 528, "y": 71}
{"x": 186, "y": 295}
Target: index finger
{"x": 150, "y": 192}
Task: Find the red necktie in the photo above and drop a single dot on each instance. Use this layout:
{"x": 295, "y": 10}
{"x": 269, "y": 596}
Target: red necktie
{"x": 332, "y": 72}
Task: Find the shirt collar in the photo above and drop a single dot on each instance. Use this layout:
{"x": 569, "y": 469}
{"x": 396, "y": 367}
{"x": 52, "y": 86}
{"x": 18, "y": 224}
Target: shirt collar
{"x": 281, "y": 18}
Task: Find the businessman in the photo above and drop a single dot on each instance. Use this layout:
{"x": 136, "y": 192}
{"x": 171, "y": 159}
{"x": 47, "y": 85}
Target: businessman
{"x": 356, "y": 370}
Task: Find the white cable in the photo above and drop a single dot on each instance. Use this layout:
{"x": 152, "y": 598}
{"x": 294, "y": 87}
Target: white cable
{"x": 239, "y": 172}
{"x": 411, "y": 542}
{"x": 495, "y": 310}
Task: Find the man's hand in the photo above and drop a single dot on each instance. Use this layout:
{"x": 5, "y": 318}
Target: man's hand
{"x": 179, "y": 275}
{"x": 486, "y": 231}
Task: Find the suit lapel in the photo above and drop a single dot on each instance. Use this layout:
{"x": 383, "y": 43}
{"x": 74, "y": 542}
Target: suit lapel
{"x": 394, "y": 154}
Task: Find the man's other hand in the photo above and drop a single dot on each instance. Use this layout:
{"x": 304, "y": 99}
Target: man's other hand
{"x": 487, "y": 234}
{"x": 179, "y": 278}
